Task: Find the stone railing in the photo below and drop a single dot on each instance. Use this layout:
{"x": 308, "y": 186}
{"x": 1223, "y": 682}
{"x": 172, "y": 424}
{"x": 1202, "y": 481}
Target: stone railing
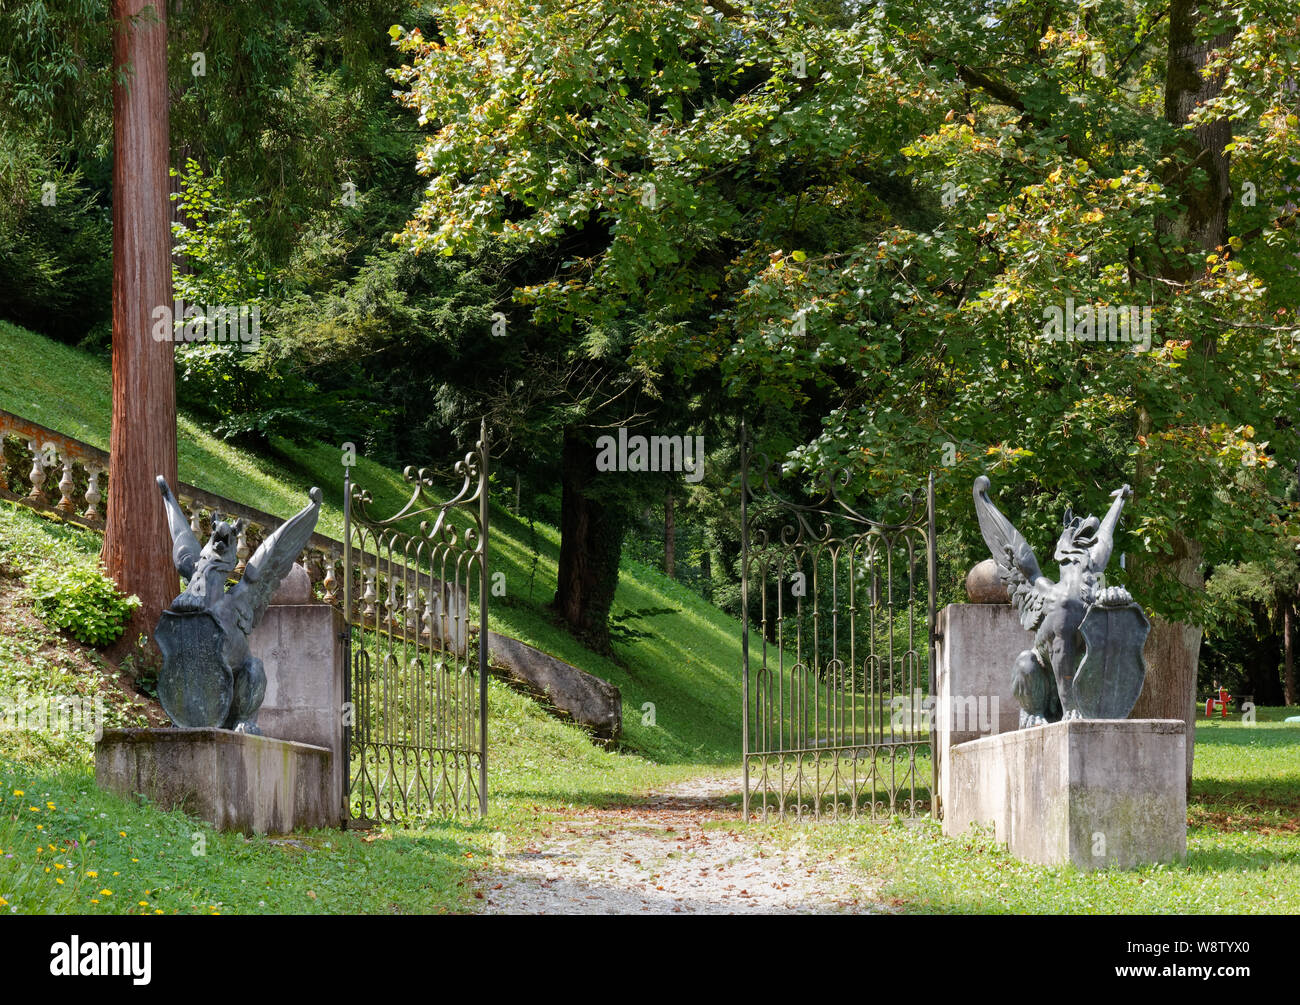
{"x": 32, "y": 455}
{"x": 387, "y": 593}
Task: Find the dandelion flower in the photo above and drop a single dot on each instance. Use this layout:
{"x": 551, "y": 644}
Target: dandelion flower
{"x": 49, "y": 806}
{"x": 93, "y": 874}
{"x": 18, "y": 792}
{"x": 121, "y": 833}
{"x": 157, "y": 910}
{"x": 106, "y": 892}
{"x": 144, "y": 903}
{"x": 59, "y": 881}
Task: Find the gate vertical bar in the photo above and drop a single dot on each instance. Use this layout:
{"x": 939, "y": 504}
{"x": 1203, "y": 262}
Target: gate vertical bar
{"x": 932, "y": 574}
{"x": 349, "y": 707}
{"x": 483, "y": 590}
{"x": 744, "y": 617}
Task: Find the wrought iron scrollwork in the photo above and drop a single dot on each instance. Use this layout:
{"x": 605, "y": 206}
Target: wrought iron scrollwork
{"x": 411, "y": 597}
{"x": 837, "y": 644}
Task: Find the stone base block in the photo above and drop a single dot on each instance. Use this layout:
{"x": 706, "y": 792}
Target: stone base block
{"x": 1095, "y": 792}
{"x": 588, "y": 700}
{"x": 235, "y": 781}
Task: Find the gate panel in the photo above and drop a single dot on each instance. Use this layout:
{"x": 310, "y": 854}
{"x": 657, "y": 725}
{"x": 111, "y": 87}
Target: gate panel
{"x": 838, "y": 616}
{"x": 415, "y": 584}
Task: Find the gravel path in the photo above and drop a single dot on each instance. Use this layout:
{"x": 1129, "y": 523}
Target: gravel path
{"x": 657, "y": 857}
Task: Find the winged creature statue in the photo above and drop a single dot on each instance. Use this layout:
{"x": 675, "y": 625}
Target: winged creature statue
{"x": 1086, "y": 661}
{"x": 208, "y": 677}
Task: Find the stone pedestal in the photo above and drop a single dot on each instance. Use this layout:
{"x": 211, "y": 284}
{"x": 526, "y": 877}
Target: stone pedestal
{"x": 1095, "y": 792}
{"x": 302, "y": 652}
{"x": 590, "y": 701}
{"x": 233, "y": 780}
{"x": 976, "y": 654}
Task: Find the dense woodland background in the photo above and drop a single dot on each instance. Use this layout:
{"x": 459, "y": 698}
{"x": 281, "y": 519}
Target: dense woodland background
{"x": 839, "y": 222}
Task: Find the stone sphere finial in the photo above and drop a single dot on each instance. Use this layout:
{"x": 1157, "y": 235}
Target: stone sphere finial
{"x": 984, "y": 586}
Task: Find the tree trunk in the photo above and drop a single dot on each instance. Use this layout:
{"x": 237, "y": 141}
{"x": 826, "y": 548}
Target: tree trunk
{"x": 1173, "y": 649}
{"x": 670, "y": 535}
{"x": 1288, "y": 651}
{"x": 137, "y": 546}
{"x": 1172, "y": 653}
{"x": 591, "y": 543}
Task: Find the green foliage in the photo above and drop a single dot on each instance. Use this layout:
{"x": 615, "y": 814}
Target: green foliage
{"x": 864, "y": 234}
{"x": 83, "y": 601}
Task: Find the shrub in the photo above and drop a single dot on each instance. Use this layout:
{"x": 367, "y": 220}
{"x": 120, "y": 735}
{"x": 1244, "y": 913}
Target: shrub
{"x": 84, "y": 602}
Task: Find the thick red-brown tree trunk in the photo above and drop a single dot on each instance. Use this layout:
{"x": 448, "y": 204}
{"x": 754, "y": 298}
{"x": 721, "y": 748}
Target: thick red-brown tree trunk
{"x": 137, "y": 547}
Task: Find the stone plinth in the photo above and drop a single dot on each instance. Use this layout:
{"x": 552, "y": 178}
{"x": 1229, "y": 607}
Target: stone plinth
{"x": 1095, "y": 792}
{"x": 302, "y": 652}
{"x": 977, "y": 651}
{"x": 588, "y": 700}
{"x": 235, "y": 781}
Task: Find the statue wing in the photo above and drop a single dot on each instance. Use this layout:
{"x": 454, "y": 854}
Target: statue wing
{"x": 1030, "y": 592}
{"x": 271, "y": 563}
{"x": 185, "y": 546}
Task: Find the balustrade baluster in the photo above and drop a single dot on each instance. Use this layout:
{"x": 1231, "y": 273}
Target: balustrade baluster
{"x": 93, "y": 496}
{"x": 66, "y": 485}
{"x": 37, "y": 476}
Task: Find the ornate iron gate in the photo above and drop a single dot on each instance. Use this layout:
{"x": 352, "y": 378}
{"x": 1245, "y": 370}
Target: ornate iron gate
{"x": 837, "y": 645}
{"x": 417, "y": 680}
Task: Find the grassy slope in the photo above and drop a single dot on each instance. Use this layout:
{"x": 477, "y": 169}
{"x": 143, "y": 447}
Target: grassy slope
{"x": 688, "y": 670}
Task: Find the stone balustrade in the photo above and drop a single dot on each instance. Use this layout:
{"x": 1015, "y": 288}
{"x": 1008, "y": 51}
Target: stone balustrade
{"x": 32, "y": 456}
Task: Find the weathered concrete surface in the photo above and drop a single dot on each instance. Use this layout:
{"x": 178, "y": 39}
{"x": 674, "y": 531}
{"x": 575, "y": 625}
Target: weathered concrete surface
{"x": 978, "y": 649}
{"x": 304, "y": 659}
{"x": 235, "y": 781}
{"x": 1095, "y": 792}
{"x": 585, "y": 698}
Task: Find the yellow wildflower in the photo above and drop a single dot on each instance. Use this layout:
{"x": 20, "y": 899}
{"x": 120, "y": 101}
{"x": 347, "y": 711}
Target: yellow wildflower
{"x": 18, "y": 792}
{"x": 59, "y": 881}
{"x": 106, "y": 892}
{"x": 93, "y": 874}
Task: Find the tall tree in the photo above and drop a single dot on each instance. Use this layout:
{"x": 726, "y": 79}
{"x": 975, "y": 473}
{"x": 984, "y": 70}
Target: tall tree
{"x": 1199, "y": 181}
{"x": 137, "y": 549}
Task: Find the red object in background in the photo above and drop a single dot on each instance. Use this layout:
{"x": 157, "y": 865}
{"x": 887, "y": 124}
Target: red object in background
{"x": 1221, "y": 703}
